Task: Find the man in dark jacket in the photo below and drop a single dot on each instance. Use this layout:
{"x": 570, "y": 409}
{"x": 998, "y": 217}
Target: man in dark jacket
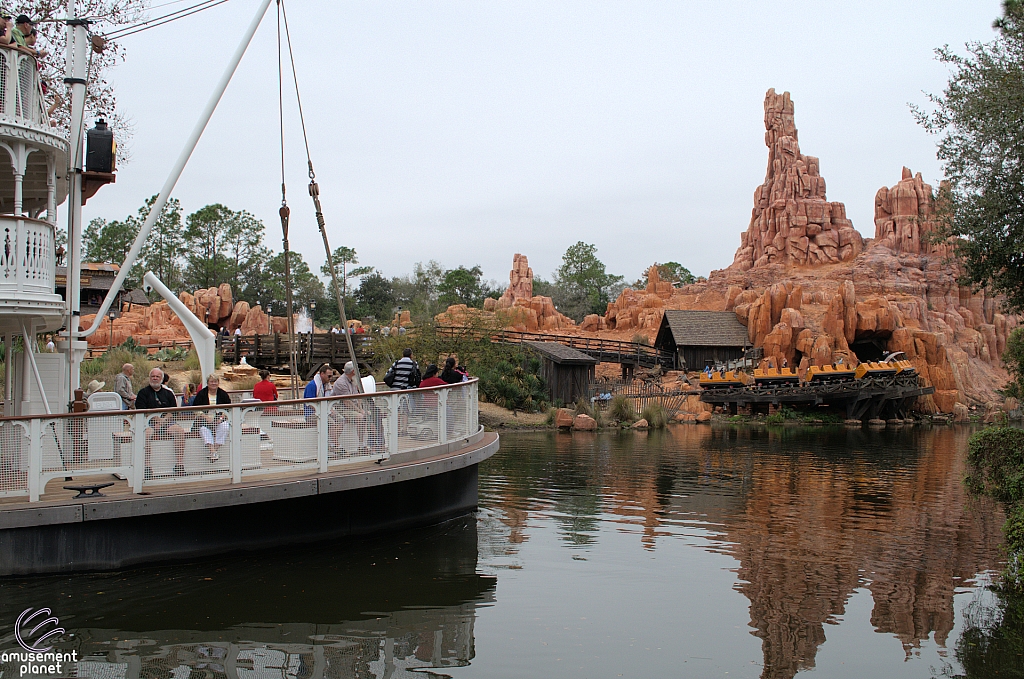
{"x": 161, "y": 426}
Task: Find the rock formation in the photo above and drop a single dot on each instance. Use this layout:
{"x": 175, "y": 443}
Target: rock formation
{"x": 905, "y": 217}
{"x": 157, "y": 324}
{"x": 517, "y": 308}
{"x": 792, "y": 222}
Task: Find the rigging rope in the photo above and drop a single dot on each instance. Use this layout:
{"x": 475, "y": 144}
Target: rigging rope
{"x": 161, "y": 20}
{"x": 314, "y": 193}
{"x": 285, "y": 213}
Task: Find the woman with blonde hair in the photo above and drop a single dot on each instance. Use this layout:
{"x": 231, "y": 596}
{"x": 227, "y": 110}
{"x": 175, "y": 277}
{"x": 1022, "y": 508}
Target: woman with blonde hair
{"x": 214, "y": 426}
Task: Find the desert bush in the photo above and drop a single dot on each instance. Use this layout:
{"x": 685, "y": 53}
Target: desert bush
{"x": 621, "y": 408}
{"x": 640, "y": 338}
{"x": 655, "y": 415}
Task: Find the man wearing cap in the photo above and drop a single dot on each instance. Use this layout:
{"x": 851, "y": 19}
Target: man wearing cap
{"x": 349, "y": 411}
{"x": 22, "y": 29}
{"x": 346, "y": 384}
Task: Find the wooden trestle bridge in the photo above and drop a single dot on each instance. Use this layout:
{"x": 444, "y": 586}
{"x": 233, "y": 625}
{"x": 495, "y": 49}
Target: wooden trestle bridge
{"x": 315, "y": 349}
{"x": 627, "y": 354}
{"x": 860, "y": 399}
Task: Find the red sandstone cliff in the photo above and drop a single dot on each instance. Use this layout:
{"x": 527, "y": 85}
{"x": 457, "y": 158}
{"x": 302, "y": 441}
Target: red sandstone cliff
{"x": 810, "y": 289}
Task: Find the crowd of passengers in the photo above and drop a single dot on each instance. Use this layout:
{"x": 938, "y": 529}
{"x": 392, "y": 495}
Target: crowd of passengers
{"x": 214, "y": 428}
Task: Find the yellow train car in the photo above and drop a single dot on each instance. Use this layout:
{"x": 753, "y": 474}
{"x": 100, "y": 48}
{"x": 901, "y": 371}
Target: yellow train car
{"x": 830, "y": 373}
{"x": 873, "y": 369}
{"x": 775, "y": 377}
{"x": 717, "y": 381}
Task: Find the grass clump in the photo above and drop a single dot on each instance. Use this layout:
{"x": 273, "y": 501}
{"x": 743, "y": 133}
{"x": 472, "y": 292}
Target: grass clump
{"x": 621, "y": 409}
{"x": 776, "y": 418}
{"x": 995, "y": 467}
{"x": 245, "y": 383}
{"x": 655, "y": 414}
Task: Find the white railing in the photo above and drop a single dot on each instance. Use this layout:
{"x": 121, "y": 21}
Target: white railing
{"x": 230, "y": 443}
{"x": 27, "y": 257}
{"x": 21, "y": 94}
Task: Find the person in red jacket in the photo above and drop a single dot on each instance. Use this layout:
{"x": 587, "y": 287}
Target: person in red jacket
{"x": 430, "y": 378}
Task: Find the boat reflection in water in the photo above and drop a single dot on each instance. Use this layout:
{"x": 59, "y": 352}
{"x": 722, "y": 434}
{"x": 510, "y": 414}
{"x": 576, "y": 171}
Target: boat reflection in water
{"x": 372, "y": 608}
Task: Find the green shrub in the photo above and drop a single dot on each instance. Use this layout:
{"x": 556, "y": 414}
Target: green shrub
{"x": 995, "y": 458}
{"x": 776, "y": 418}
{"x": 191, "y": 360}
{"x": 995, "y": 467}
{"x": 171, "y": 354}
{"x": 93, "y": 367}
{"x": 655, "y": 415}
{"x": 514, "y": 385}
{"x": 640, "y": 338}
{"x": 621, "y": 408}
{"x": 133, "y": 347}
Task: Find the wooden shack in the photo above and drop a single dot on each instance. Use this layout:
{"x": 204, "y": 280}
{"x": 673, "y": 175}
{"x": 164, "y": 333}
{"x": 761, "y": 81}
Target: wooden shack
{"x": 566, "y": 371}
{"x": 700, "y": 338}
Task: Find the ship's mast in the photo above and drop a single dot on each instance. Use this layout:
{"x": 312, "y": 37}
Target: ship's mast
{"x": 75, "y": 66}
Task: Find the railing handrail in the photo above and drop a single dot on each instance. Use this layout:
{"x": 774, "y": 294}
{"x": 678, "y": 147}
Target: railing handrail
{"x": 26, "y": 218}
{"x": 225, "y": 406}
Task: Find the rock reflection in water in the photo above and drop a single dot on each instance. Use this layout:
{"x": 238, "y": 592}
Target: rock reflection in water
{"x": 812, "y": 515}
{"x": 369, "y": 609}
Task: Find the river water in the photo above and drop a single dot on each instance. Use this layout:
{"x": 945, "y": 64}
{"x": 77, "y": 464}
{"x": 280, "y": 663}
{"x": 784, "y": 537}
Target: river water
{"x": 693, "y": 552}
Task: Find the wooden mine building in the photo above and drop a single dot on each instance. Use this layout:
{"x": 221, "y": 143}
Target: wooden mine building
{"x": 566, "y": 371}
{"x": 701, "y": 338}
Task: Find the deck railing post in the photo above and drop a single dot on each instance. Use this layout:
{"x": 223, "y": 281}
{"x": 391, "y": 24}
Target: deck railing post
{"x": 323, "y": 414}
{"x": 442, "y": 415}
{"x": 235, "y": 429}
{"x": 392, "y": 424}
{"x": 35, "y": 458}
{"x": 138, "y": 470}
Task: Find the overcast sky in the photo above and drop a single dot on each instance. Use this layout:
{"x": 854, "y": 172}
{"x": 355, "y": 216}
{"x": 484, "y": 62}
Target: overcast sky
{"x": 468, "y": 131}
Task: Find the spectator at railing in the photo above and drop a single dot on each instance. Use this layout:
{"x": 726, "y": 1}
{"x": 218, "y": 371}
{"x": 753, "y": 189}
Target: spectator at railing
{"x": 264, "y": 390}
{"x": 345, "y": 385}
{"x": 317, "y": 388}
{"x": 123, "y": 386}
{"x": 22, "y": 29}
{"x": 213, "y": 427}
{"x": 6, "y": 28}
{"x": 451, "y": 374}
{"x": 154, "y": 396}
{"x": 430, "y": 378}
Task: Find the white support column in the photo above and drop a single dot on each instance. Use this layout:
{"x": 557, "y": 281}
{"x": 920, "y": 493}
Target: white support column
{"x": 138, "y": 473}
{"x": 235, "y": 431}
{"x": 323, "y": 413}
{"x": 392, "y": 447}
{"x": 35, "y": 458}
{"x": 442, "y": 415}
{"x": 19, "y": 179}
{"x": 8, "y": 375}
{"x": 51, "y": 193}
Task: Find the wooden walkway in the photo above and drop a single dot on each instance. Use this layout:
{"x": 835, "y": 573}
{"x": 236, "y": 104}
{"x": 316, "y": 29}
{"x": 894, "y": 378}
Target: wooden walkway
{"x": 267, "y": 351}
{"x": 631, "y": 354}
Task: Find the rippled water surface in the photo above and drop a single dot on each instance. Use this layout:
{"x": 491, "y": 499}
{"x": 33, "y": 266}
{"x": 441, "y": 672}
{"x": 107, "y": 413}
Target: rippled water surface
{"x": 693, "y": 552}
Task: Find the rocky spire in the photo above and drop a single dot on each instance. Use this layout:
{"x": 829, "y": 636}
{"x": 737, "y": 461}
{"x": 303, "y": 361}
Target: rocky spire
{"x": 792, "y": 221}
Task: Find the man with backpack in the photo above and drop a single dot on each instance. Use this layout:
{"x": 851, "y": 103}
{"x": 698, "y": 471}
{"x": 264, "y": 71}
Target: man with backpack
{"x": 404, "y": 373}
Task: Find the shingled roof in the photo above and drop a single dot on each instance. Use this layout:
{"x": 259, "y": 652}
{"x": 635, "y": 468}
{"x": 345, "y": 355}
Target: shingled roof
{"x": 702, "y": 329}
{"x": 561, "y": 354}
